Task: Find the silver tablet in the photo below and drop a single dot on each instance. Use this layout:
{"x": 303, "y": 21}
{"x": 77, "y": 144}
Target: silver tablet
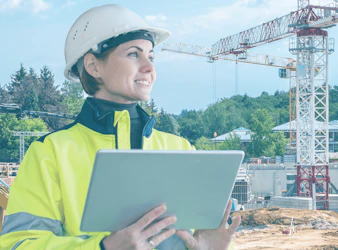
{"x": 126, "y": 184}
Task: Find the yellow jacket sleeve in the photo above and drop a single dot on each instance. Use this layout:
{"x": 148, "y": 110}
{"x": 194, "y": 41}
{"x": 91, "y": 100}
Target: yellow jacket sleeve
{"x": 35, "y": 214}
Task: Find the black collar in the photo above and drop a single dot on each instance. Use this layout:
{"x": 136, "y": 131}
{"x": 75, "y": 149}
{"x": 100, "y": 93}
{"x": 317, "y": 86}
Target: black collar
{"x": 104, "y": 123}
{"x": 105, "y": 106}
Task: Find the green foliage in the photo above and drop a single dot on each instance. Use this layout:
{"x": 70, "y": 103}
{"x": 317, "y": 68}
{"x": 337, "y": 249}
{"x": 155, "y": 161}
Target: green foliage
{"x": 4, "y": 96}
{"x": 263, "y": 140}
{"x": 222, "y": 117}
{"x": 333, "y": 102}
{"x": 261, "y": 123}
{"x": 9, "y": 144}
{"x": 50, "y": 98}
{"x": 152, "y": 106}
{"x": 73, "y": 97}
{"x": 191, "y": 125}
{"x": 149, "y": 107}
{"x": 167, "y": 123}
{"x": 35, "y": 92}
{"x": 204, "y": 143}
{"x": 231, "y": 143}
{"x": 38, "y": 92}
{"x": 280, "y": 142}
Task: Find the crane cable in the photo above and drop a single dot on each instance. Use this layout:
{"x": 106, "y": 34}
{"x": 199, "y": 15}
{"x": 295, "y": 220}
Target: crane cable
{"x": 214, "y": 97}
{"x": 236, "y": 76}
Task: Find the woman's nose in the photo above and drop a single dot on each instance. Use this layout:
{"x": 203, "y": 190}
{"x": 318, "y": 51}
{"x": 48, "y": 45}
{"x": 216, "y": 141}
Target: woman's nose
{"x": 147, "y": 66}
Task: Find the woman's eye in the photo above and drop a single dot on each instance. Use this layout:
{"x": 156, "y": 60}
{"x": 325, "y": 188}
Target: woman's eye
{"x": 133, "y": 54}
{"x": 151, "y": 59}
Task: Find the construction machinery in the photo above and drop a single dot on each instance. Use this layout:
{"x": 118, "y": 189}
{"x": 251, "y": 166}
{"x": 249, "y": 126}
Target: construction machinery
{"x": 12, "y": 108}
{"x": 286, "y": 65}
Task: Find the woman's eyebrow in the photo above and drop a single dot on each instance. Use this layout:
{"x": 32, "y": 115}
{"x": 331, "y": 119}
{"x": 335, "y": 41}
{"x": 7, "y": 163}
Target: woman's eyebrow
{"x": 136, "y": 47}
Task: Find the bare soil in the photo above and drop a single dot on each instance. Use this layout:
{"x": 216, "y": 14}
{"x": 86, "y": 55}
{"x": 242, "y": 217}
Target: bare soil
{"x": 262, "y": 229}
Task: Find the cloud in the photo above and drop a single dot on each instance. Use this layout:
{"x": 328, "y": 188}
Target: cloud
{"x": 10, "y": 4}
{"x": 165, "y": 56}
{"x": 69, "y": 3}
{"x": 40, "y": 5}
{"x": 36, "y": 6}
{"x": 225, "y": 20}
{"x": 156, "y": 18}
{"x": 229, "y": 20}
{"x": 157, "y": 21}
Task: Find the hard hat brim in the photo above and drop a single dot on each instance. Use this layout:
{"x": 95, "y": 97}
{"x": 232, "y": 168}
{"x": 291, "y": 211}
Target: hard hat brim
{"x": 159, "y": 35}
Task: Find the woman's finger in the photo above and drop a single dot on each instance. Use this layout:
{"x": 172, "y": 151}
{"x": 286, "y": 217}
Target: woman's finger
{"x": 235, "y": 223}
{"x": 189, "y": 240}
{"x": 163, "y": 236}
{"x": 158, "y": 226}
{"x": 149, "y": 218}
{"x": 226, "y": 214}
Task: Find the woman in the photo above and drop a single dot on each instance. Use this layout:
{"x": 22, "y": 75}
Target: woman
{"x": 110, "y": 50}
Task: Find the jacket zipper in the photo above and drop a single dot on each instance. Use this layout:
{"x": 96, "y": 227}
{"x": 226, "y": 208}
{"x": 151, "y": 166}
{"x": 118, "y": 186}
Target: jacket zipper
{"x": 116, "y": 141}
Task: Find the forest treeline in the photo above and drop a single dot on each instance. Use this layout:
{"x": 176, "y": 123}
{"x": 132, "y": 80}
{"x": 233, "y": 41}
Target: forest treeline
{"x": 38, "y": 91}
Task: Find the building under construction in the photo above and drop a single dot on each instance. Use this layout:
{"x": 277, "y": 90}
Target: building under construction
{"x": 242, "y": 189}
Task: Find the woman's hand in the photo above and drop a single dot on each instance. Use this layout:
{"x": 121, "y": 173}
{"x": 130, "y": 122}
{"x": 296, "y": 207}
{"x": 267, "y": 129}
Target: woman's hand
{"x": 136, "y": 236}
{"x": 214, "y": 239}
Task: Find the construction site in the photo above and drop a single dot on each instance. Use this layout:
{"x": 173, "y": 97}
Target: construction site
{"x": 289, "y": 201}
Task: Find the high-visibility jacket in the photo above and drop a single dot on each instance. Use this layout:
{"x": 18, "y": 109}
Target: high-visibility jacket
{"x": 48, "y": 196}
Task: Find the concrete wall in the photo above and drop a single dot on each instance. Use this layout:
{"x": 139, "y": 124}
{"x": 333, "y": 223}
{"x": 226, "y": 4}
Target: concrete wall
{"x": 292, "y": 202}
{"x": 262, "y": 180}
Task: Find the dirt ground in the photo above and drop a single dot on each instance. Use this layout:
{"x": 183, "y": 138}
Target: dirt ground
{"x": 262, "y": 229}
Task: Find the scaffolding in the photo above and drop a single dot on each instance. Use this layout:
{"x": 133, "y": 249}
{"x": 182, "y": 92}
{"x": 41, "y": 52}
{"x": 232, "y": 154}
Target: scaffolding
{"x": 242, "y": 192}
{"x": 22, "y": 135}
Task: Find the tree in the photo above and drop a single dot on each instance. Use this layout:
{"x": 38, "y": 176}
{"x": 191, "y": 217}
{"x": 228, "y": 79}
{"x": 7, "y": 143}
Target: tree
{"x": 261, "y": 125}
{"x": 167, "y": 123}
{"x": 23, "y": 89}
{"x": 191, "y": 125}
{"x": 50, "y": 98}
{"x": 153, "y": 106}
{"x": 73, "y": 97}
{"x": 30, "y": 98}
{"x": 222, "y": 117}
{"x": 280, "y": 142}
{"x": 333, "y": 101}
{"x": 231, "y": 143}
{"x": 4, "y": 95}
{"x": 204, "y": 143}
{"x": 215, "y": 118}
{"x": 150, "y": 108}
{"x": 16, "y": 88}
{"x": 9, "y": 144}
{"x": 16, "y": 84}
{"x": 263, "y": 140}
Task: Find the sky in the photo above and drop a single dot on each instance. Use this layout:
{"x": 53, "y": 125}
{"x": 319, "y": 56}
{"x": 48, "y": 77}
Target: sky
{"x": 33, "y": 32}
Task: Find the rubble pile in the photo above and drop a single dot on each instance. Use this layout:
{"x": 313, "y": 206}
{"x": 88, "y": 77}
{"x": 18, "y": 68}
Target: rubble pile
{"x": 320, "y": 220}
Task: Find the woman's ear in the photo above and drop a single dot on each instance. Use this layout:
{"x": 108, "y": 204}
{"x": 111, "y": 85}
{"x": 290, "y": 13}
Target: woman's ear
{"x": 91, "y": 65}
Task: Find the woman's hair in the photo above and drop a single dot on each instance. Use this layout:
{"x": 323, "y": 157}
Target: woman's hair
{"x": 89, "y": 83}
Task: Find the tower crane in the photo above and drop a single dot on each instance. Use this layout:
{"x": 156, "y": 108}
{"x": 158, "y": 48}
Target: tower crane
{"x": 245, "y": 57}
{"x": 312, "y": 47}
{"x": 287, "y": 70}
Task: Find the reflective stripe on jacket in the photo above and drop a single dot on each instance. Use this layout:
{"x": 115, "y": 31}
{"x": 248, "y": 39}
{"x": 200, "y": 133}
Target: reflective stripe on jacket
{"x": 47, "y": 198}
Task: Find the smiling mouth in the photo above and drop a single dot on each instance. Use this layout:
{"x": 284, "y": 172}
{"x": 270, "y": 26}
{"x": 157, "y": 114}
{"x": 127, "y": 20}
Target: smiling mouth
{"x": 142, "y": 82}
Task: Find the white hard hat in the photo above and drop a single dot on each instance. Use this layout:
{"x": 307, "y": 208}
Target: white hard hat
{"x": 99, "y": 24}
